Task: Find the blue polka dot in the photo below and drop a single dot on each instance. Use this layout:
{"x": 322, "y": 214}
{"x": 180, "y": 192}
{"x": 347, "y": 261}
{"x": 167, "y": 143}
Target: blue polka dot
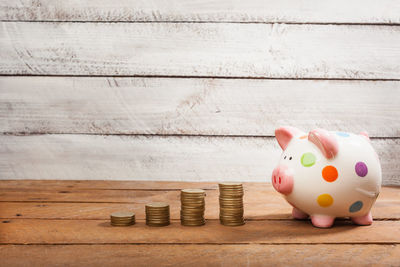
{"x": 356, "y": 206}
{"x": 342, "y": 134}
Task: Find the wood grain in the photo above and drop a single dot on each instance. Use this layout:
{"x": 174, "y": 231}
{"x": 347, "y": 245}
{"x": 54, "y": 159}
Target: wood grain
{"x": 33, "y": 231}
{"x": 201, "y": 255}
{"x": 169, "y": 106}
{"x": 312, "y": 11}
{"x": 384, "y": 209}
{"x": 179, "y": 158}
{"x": 116, "y": 185}
{"x": 72, "y": 240}
{"x": 41, "y": 203}
{"x": 261, "y": 202}
{"x": 204, "y": 49}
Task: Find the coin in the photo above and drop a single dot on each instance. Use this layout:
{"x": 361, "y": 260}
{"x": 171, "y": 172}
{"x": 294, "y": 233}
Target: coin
{"x": 192, "y": 207}
{"x": 122, "y": 218}
{"x": 231, "y": 204}
{"x": 157, "y": 214}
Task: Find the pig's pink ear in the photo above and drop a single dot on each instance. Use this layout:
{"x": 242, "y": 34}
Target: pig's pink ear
{"x": 365, "y": 134}
{"x": 325, "y": 141}
{"x": 285, "y": 134}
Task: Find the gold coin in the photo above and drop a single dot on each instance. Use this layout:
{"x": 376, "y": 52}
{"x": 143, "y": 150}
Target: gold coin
{"x": 231, "y": 202}
{"x": 230, "y": 208}
{"x": 192, "y": 213}
{"x": 202, "y": 207}
{"x": 157, "y": 205}
{"x": 198, "y": 207}
{"x": 233, "y": 224}
{"x": 193, "y": 224}
{"x": 122, "y": 214}
{"x": 183, "y": 218}
{"x": 192, "y": 199}
{"x": 127, "y": 221}
{"x": 122, "y": 218}
{"x": 193, "y": 191}
{"x": 157, "y": 224}
{"x": 193, "y": 204}
{"x": 113, "y": 224}
{"x": 230, "y": 184}
{"x": 157, "y": 211}
{"x": 157, "y": 214}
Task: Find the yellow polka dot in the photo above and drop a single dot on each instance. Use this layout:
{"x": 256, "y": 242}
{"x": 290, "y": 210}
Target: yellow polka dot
{"x": 325, "y": 200}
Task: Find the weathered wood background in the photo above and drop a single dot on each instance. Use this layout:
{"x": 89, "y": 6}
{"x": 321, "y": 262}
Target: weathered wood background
{"x": 190, "y": 90}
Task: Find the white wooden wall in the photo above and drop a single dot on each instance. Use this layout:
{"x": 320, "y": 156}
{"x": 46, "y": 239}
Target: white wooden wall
{"x": 190, "y": 90}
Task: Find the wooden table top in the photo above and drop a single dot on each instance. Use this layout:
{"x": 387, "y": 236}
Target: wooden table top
{"x": 67, "y": 223}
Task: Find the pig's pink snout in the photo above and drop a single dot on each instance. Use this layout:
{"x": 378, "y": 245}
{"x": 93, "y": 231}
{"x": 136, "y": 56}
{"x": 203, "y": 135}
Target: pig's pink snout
{"x": 282, "y": 180}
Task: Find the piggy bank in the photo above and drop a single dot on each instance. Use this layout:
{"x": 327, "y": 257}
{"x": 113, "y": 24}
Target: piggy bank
{"x": 325, "y": 175}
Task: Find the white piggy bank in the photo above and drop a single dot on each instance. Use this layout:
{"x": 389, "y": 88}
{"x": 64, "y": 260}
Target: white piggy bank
{"x": 326, "y": 175}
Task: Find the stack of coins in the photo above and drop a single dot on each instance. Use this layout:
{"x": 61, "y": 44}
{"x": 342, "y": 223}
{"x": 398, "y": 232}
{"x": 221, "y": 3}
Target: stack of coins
{"x": 231, "y": 204}
{"x": 157, "y": 214}
{"x": 122, "y": 218}
{"x": 192, "y": 207}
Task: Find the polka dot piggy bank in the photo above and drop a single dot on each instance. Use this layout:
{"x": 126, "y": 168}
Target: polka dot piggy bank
{"x": 325, "y": 175}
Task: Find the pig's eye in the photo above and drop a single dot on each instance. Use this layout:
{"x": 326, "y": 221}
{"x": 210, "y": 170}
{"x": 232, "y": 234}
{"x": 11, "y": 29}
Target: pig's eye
{"x": 290, "y": 158}
{"x": 284, "y": 157}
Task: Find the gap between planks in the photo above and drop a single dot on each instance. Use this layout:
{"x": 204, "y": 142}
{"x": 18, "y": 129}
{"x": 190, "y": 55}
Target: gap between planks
{"x": 165, "y": 135}
{"x": 209, "y": 22}
{"x": 199, "y": 77}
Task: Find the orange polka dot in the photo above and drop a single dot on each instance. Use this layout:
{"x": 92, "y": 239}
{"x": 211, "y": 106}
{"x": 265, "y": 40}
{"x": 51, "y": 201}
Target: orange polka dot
{"x": 303, "y": 137}
{"x": 325, "y": 200}
{"x": 329, "y": 173}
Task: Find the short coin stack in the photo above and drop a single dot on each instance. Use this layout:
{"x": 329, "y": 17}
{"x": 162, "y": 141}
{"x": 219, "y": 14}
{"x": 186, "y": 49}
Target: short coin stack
{"x": 157, "y": 214}
{"x": 192, "y": 207}
{"x": 231, "y": 204}
{"x": 122, "y": 218}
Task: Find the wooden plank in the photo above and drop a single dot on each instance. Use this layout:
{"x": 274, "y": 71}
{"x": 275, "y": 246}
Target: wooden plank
{"x": 54, "y": 206}
{"x": 113, "y": 185}
{"x": 196, "y": 106}
{"x": 259, "y": 205}
{"x": 101, "y": 211}
{"x": 96, "y": 196}
{"x": 143, "y": 185}
{"x": 204, "y": 49}
{"x": 201, "y": 255}
{"x": 184, "y": 158}
{"x": 312, "y": 11}
{"x": 26, "y": 231}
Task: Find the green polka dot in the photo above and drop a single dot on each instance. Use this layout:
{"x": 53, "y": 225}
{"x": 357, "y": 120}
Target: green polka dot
{"x": 308, "y": 159}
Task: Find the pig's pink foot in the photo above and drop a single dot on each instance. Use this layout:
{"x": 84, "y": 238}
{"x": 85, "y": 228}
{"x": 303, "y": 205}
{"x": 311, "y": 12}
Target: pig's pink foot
{"x": 298, "y": 214}
{"x": 363, "y": 220}
{"x": 322, "y": 221}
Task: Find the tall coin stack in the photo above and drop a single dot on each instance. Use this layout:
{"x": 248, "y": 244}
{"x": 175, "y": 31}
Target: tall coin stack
{"x": 157, "y": 214}
{"x": 192, "y": 207}
{"x": 231, "y": 204}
